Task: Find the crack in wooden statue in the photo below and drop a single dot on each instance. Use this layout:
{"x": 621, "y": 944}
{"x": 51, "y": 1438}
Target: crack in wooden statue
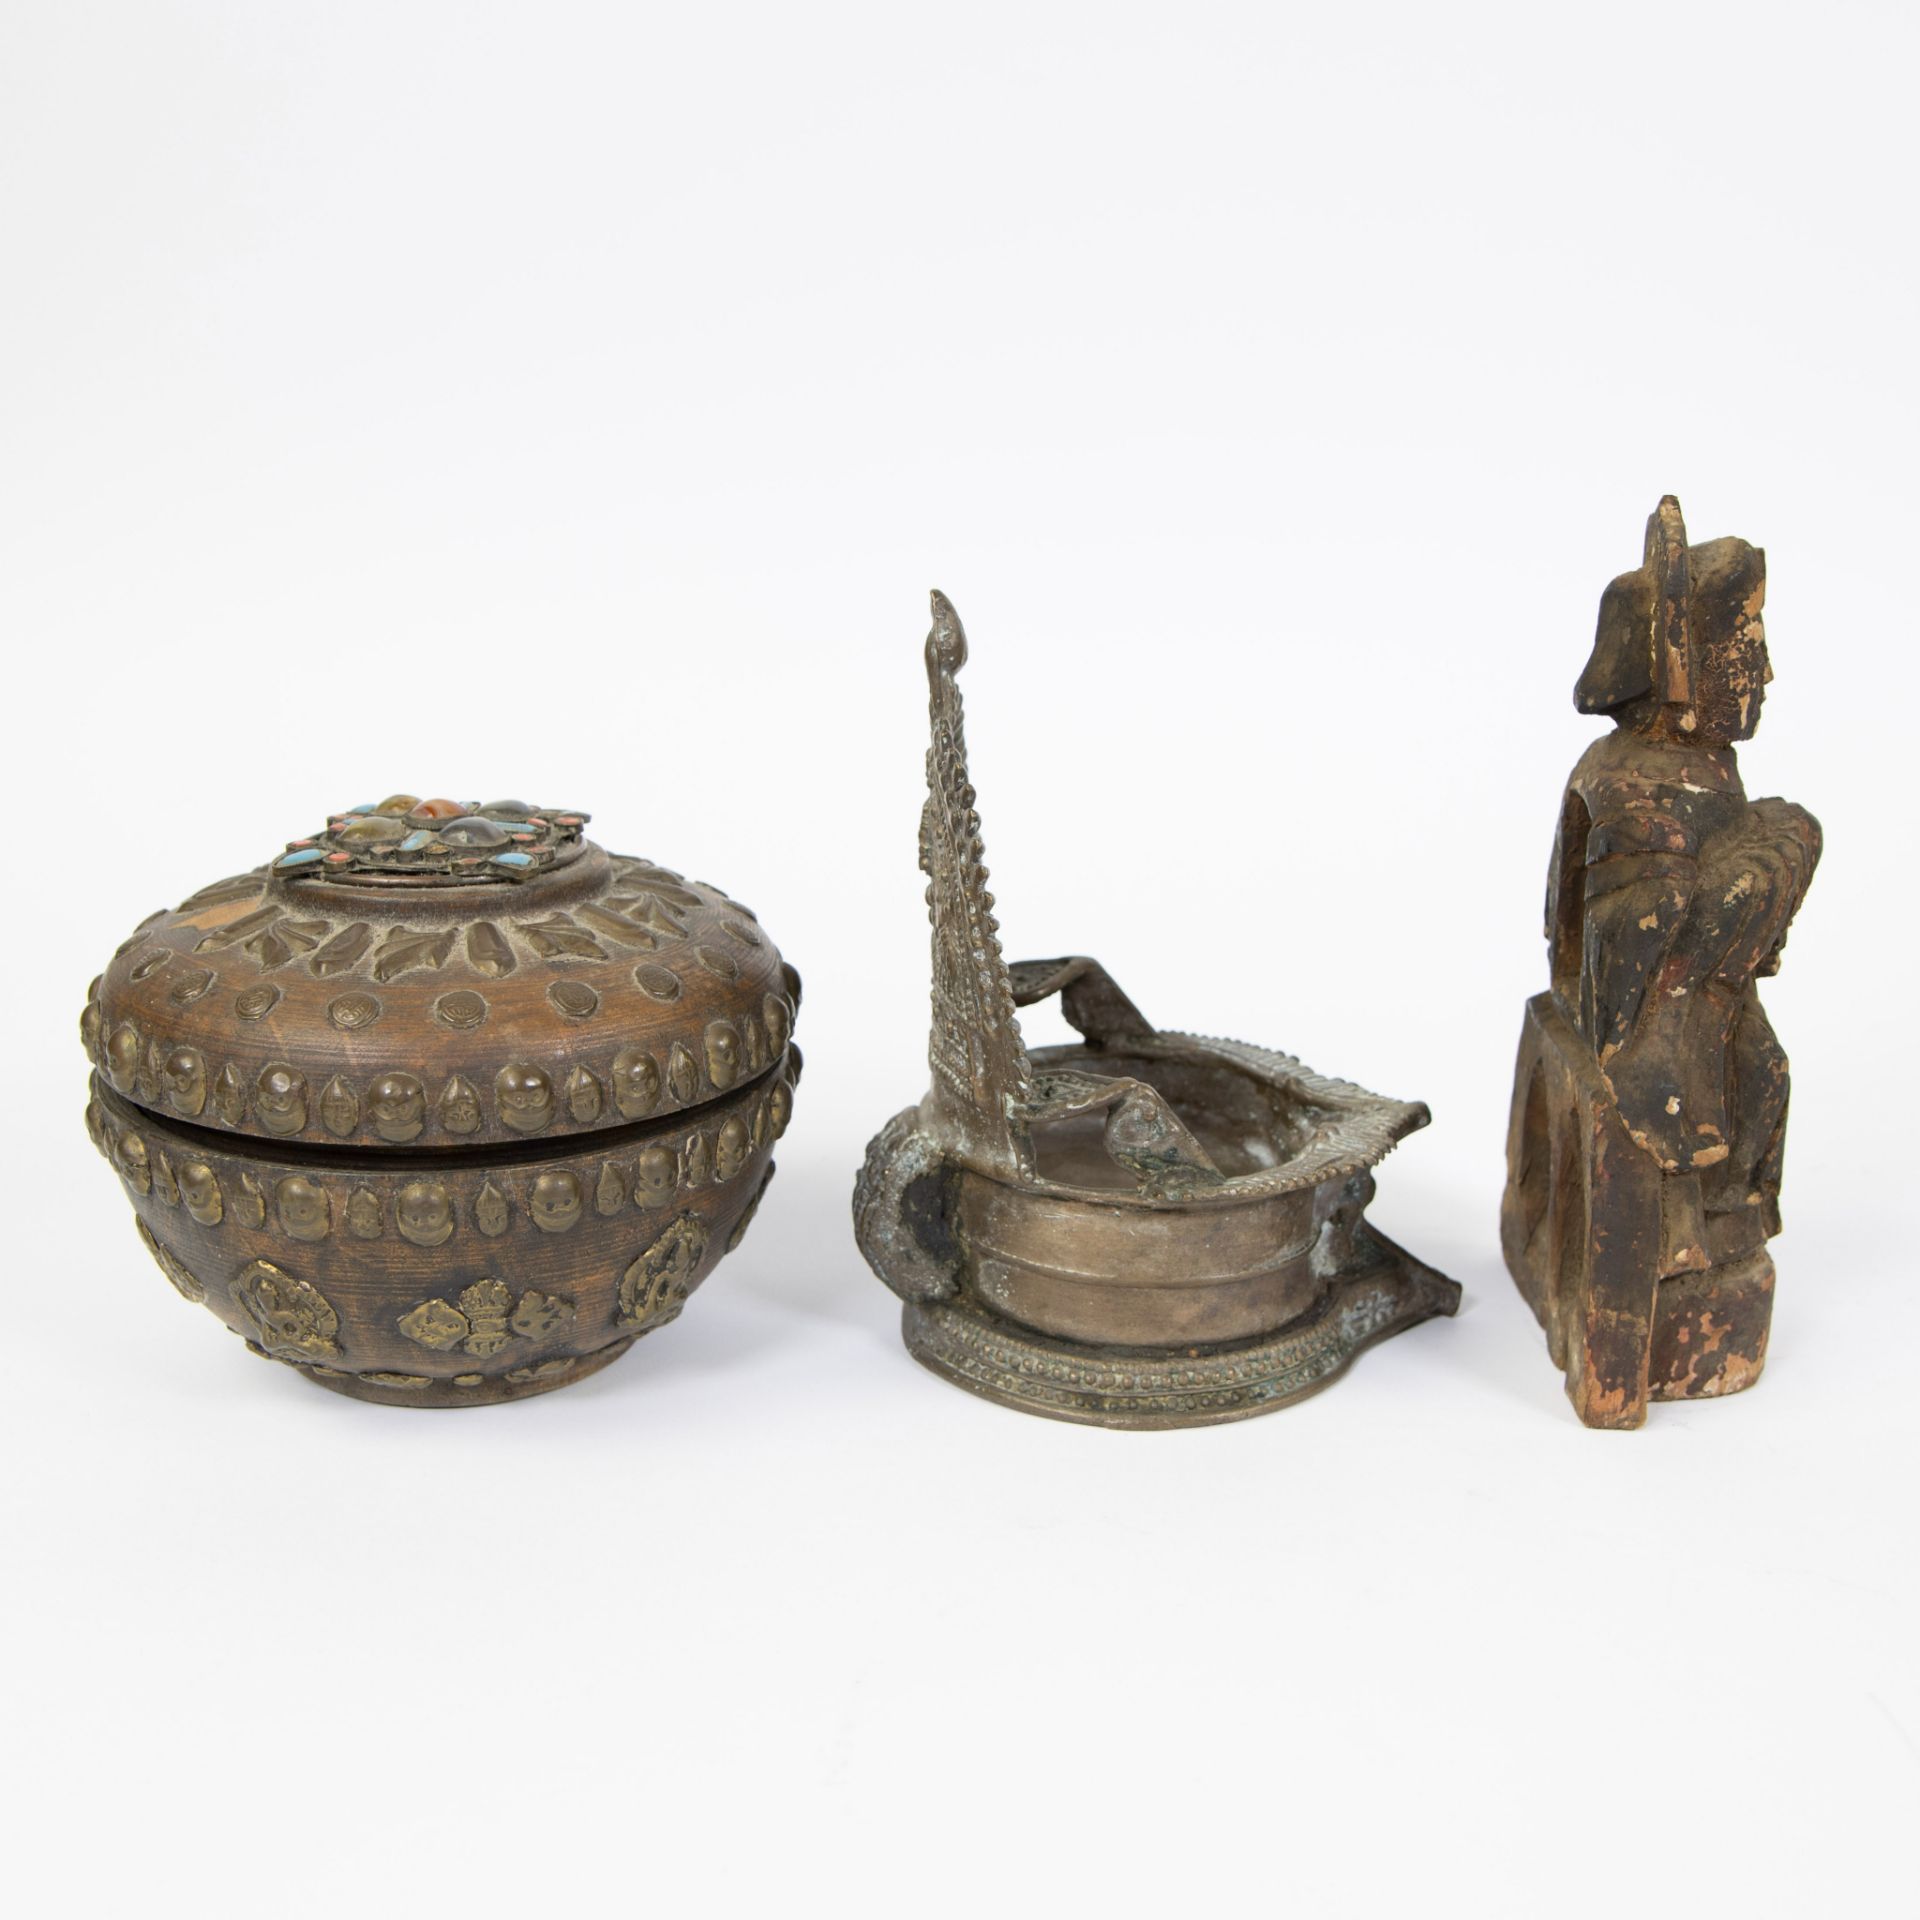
{"x": 1142, "y": 1229}
{"x": 1650, "y": 1095}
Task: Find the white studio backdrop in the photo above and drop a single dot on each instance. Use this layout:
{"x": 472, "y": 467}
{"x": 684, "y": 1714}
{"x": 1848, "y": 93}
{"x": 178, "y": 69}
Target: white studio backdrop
{"x": 580, "y": 400}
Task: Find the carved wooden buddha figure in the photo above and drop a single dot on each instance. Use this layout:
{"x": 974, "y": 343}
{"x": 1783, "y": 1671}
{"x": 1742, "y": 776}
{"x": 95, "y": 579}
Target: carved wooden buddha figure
{"x": 1670, "y": 895}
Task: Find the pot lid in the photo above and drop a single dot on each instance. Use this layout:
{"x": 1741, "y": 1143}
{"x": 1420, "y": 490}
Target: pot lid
{"x": 431, "y": 974}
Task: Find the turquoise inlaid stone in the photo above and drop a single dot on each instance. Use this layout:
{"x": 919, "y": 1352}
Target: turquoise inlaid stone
{"x": 414, "y": 842}
{"x": 514, "y": 859}
{"x": 299, "y": 857}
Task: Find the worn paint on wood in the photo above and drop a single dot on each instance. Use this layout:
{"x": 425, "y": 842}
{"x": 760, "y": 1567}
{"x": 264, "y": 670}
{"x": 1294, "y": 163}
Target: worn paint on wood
{"x": 1650, "y": 1096}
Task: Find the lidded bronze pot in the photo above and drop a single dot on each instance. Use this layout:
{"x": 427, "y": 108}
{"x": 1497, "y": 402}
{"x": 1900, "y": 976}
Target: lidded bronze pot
{"x": 444, "y": 1104}
{"x": 1141, "y": 1229}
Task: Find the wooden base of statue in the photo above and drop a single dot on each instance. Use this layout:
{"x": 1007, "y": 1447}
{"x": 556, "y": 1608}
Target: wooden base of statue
{"x": 1583, "y": 1230}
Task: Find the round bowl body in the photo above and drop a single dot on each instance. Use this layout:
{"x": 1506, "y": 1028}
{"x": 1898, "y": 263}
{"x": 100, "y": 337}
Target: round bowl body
{"x": 445, "y": 1104}
{"x": 421, "y": 1281}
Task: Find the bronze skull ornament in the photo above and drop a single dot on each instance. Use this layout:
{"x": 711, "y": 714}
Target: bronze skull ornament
{"x": 445, "y": 1105}
{"x": 1143, "y": 1229}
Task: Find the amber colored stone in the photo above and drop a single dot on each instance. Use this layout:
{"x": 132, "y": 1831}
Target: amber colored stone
{"x": 471, "y": 831}
{"x": 373, "y": 830}
{"x": 398, "y": 803}
{"x": 428, "y": 811}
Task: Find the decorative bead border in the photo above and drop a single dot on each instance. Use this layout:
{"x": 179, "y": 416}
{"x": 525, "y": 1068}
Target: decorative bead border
{"x": 428, "y": 1208}
{"x": 395, "y": 1107}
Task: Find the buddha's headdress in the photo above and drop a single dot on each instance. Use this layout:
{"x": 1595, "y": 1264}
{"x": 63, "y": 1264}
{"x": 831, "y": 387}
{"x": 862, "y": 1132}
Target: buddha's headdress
{"x": 1653, "y": 620}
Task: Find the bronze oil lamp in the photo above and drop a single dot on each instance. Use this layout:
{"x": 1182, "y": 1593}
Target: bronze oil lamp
{"x": 1144, "y": 1229}
{"x": 444, "y": 1105}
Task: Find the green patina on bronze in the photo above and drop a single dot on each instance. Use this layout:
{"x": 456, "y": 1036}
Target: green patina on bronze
{"x": 1141, "y": 1229}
